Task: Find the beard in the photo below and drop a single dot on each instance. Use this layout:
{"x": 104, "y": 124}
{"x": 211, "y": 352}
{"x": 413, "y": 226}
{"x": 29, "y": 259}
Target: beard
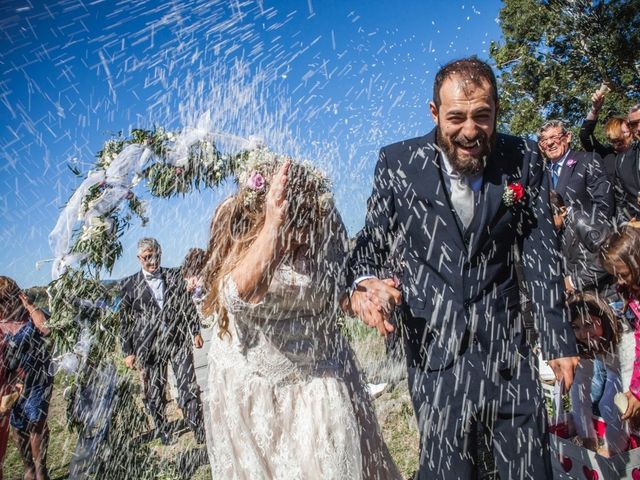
{"x": 461, "y": 162}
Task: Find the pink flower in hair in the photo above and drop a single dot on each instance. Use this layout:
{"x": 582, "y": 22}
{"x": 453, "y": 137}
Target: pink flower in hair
{"x": 256, "y": 181}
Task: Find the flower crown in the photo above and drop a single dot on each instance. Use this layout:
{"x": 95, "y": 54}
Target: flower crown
{"x": 258, "y": 166}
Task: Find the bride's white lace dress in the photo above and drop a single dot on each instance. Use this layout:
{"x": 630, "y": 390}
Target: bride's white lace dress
{"x": 285, "y": 397}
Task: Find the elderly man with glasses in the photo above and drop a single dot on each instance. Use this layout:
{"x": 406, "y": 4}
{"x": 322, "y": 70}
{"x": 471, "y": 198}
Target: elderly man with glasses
{"x": 579, "y": 177}
{"x": 158, "y": 321}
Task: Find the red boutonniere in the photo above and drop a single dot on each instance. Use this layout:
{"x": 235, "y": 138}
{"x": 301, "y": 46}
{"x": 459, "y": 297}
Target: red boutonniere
{"x": 513, "y": 194}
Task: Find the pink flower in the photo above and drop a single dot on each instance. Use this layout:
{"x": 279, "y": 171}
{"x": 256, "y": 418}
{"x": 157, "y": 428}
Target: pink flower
{"x": 179, "y": 171}
{"x": 256, "y": 181}
{"x": 571, "y": 162}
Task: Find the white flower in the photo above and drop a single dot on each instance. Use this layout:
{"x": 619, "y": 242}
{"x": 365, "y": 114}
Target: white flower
{"x": 97, "y": 222}
{"x": 68, "y": 363}
{"x": 136, "y": 180}
{"x": 208, "y": 153}
{"x": 88, "y": 233}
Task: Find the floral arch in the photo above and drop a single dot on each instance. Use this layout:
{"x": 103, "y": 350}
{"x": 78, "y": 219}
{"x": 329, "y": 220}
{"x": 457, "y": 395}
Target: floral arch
{"x": 100, "y": 392}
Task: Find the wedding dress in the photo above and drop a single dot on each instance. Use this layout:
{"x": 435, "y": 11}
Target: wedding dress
{"x": 285, "y": 397}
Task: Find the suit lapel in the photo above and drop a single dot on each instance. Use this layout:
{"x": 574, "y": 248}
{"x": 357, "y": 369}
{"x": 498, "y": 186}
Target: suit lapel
{"x": 565, "y": 174}
{"x": 168, "y": 279}
{"x": 628, "y": 168}
{"x": 488, "y": 204}
{"x": 635, "y": 170}
{"x": 433, "y": 187}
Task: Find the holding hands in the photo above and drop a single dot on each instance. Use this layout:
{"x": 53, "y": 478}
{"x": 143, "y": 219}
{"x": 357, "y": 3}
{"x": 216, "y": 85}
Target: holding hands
{"x": 373, "y": 301}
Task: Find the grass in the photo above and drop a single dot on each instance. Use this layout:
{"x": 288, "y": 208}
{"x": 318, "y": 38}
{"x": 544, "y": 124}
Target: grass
{"x": 393, "y": 409}
{"x": 60, "y": 446}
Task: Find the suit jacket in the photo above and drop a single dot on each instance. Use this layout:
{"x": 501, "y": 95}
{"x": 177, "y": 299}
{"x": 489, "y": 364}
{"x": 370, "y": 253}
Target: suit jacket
{"x": 581, "y": 241}
{"x": 149, "y": 332}
{"x": 460, "y": 286}
{"x": 584, "y": 185}
{"x": 627, "y": 183}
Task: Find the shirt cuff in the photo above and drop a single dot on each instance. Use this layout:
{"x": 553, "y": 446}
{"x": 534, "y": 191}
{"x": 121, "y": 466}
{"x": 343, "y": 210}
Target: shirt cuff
{"x": 357, "y": 281}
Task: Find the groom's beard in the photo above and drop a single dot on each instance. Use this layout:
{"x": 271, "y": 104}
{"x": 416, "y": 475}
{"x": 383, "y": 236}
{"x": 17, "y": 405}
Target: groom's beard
{"x": 461, "y": 162}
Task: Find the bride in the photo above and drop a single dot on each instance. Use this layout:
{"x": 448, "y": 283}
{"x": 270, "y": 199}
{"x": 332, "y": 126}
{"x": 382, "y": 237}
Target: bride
{"x": 286, "y": 400}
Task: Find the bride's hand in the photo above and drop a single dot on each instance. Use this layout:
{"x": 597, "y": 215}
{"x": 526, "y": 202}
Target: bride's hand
{"x": 275, "y": 203}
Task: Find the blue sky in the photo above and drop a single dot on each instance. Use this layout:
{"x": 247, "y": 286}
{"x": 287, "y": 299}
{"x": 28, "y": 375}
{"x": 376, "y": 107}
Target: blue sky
{"x": 333, "y": 81}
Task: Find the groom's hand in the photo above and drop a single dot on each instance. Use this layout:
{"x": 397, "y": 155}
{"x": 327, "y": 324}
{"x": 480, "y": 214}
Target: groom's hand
{"x": 564, "y": 368}
{"x": 373, "y": 301}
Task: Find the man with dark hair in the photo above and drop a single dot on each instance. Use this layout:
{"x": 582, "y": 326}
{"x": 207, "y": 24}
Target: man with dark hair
{"x": 456, "y": 205}
{"x": 626, "y": 177}
{"x": 158, "y": 322}
{"x": 633, "y": 121}
{"x": 579, "y": 177}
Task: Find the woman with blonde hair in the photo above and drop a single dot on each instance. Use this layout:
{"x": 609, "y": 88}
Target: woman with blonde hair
{"x": 286, "y": 399}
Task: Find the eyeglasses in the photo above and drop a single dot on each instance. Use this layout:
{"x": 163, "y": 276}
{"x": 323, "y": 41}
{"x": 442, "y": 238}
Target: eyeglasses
{"x": 553, "y": 138}
{"x": 633, "y": 123}
{"x": 149, "y": 257}
{"x": 619, "y": 141}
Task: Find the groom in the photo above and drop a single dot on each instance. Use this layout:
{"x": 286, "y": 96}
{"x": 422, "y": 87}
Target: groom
{"x": 158, "y": 321}
{"x": 455, "y": 206}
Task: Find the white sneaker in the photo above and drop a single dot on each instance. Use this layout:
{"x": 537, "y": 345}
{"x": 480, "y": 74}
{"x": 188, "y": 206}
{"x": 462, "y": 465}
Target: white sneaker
{"x": 545, "y": 371}
{"x": 376, "y": 389}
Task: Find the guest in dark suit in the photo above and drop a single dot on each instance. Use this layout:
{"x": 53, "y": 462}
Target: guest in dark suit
{"x": 633, "y": 121}
{"x": 581, "y": 241}
{"x": 579, "y": 177}
{"x": 627, "y": 173}
{"x": 627, "y": 184}
{"x": 455, "y": 204}
{"x": 159, "y": 325}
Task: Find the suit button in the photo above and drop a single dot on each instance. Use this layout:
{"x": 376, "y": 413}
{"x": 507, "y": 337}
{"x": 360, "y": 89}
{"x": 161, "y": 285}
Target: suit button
{"x": 467, "y": 304}
{"x": 475, "y": 340}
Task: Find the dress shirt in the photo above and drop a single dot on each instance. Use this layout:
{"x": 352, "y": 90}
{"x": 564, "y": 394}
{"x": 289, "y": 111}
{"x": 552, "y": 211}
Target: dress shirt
{"x": 156, "y": 284}
{"x": 475, "y": 183}
{"x": 560, "y": 163}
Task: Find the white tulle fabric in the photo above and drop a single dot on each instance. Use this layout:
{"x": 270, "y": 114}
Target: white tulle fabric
{"x": 285, "y": 398}
{"x": 120, "y": 177}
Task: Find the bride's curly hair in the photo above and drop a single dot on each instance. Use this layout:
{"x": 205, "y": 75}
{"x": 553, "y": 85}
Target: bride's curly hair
{"x": 238, "y": 220}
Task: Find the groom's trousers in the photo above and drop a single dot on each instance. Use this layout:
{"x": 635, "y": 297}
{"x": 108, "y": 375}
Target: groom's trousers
{"x": 472, "y": 401}
{"x": 155, "y": 380}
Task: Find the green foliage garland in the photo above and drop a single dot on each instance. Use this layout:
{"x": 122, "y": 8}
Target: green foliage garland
{"x": 81, "y": 303}
{"x": 555, "y": 53}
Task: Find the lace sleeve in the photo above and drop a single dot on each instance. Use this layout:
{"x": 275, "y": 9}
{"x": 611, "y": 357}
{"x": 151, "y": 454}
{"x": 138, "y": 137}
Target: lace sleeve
{"x": 231, "y": 298}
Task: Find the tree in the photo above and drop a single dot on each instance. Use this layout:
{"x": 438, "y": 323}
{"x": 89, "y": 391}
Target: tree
{"x": 556, "y": 53}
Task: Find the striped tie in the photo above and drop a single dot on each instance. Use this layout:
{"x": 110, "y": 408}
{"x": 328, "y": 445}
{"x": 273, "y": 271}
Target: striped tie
{"x": 554, "y": 174}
